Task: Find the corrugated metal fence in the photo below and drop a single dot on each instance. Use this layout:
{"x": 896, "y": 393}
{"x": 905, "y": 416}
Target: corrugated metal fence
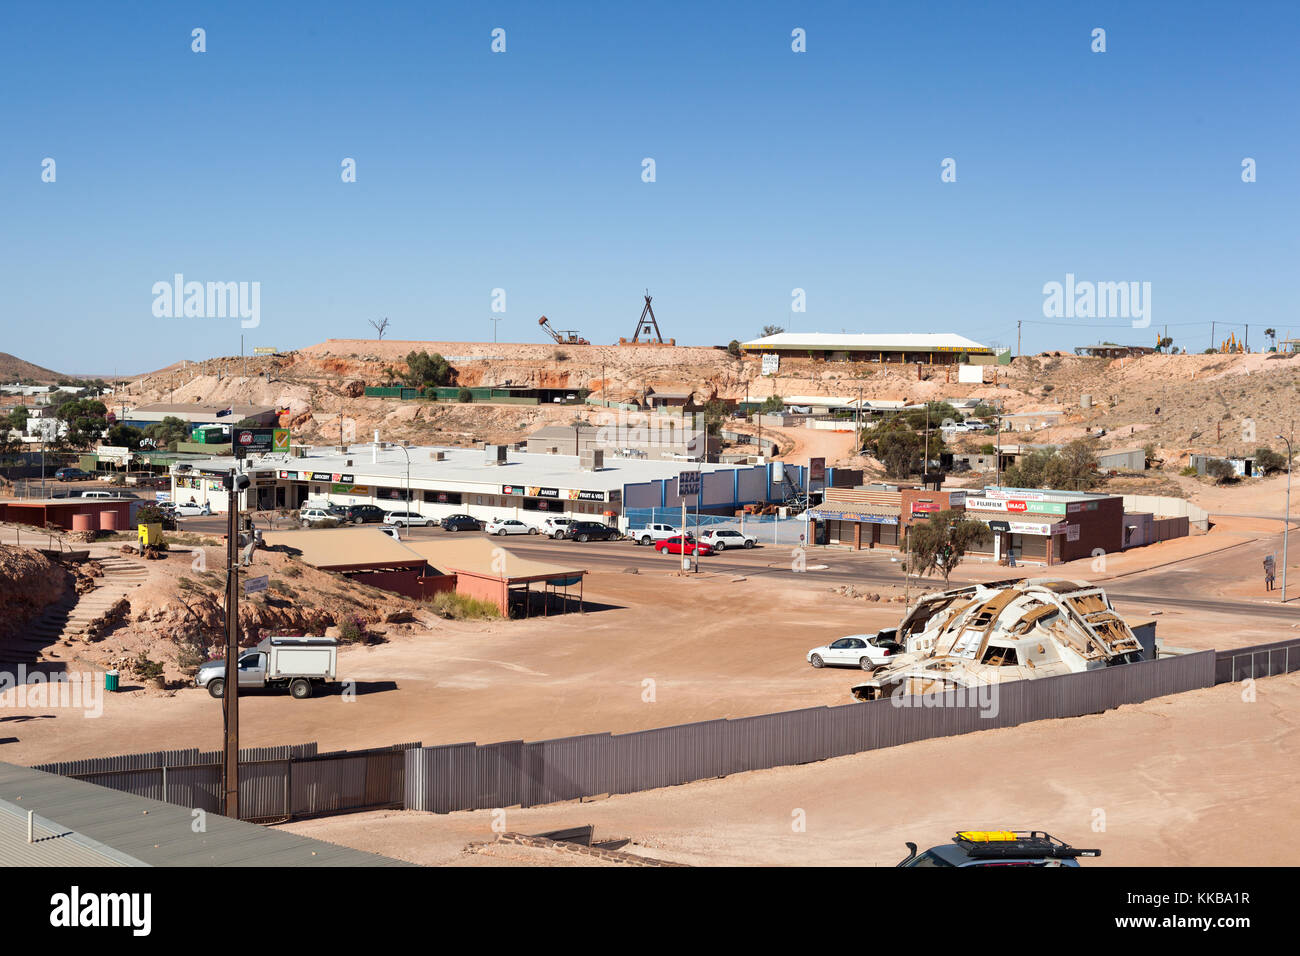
{"x": 275, "y": 783}
{"x": 514, "y": 773}
{"x": 293, "y": 781}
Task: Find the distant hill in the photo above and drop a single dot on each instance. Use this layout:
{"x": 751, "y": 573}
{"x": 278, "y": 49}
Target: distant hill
{"x": 14, "y": 369}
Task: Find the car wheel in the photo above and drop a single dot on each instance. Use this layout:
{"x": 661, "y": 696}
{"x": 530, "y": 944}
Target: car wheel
{"x": 816, "y": 661}
{"x": 501, "y": 533}
{"x": 865, "y": 664}
{"x": 356, "y": 521}
{"x": 582, "y": 539}
{"x": 217, "y": 687}
{"x": 645, "y": 539}
{"x": 532, "y": 531}
{"x": 719, "y": 547}
{"x": 748, "y": 545}
{"x": 300, "y": 689}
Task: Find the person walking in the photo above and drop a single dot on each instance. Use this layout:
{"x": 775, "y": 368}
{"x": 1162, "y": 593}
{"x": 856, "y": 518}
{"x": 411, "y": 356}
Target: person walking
{"x": 1270, "y": 572}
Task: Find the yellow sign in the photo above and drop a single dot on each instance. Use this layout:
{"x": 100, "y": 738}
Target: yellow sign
{"x": 150, "y": 534}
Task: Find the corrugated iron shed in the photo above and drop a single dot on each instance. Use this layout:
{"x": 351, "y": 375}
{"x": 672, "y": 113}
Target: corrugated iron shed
{"x": 94, "y": 825}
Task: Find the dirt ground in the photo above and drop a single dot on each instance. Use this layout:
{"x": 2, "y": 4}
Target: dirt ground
{"x": 1199, "y": 779}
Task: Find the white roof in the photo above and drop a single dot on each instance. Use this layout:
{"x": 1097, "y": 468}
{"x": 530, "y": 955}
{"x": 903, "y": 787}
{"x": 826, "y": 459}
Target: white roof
{"x": 468, "y": 465}
{"x": 918, "y": 341}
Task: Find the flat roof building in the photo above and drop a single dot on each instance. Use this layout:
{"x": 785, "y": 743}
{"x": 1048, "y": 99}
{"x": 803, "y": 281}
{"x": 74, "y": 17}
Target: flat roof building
{"x": 931, "y": 348}
{"x": 143, "y": 416}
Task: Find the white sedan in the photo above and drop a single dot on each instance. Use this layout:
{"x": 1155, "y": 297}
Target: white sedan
{"x": 189, "y": 509}
{"x": 408, "y": 519}
{"x": 867, "y": 651}
{"x": 507, "y": 526}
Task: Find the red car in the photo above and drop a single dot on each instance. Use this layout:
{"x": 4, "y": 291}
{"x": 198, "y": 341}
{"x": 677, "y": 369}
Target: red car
{"x": 674, "y": 546}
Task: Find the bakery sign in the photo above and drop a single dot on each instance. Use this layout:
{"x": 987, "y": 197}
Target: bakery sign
{"x": 536, "y": 492}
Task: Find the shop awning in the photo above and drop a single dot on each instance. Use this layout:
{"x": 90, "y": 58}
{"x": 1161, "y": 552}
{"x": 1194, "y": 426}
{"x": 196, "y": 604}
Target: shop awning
{"x": 844, "y": 511}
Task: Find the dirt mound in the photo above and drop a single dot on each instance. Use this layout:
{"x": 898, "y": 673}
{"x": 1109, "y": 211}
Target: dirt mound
{"x": 29, "y": 582}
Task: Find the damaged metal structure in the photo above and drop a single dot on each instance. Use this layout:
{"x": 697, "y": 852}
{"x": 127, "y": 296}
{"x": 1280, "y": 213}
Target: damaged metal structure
{"x": 1002, "y": 631}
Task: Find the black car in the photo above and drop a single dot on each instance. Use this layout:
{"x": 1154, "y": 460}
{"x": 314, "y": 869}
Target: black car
{"x": 71, "y": 474}
{"x": 592, "y": 531}
{"x": 363, "y": 514}
{"x": 460, "y": 523}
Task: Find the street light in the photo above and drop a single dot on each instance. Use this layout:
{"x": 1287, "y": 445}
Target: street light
{"x": 408, "y": 477}
{"x": 1286, "y": 518}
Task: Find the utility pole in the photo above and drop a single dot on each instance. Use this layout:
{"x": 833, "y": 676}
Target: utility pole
{"x": 230, "y": 694}
{"x": 1246, "y": 345}
{"x": 1211, "y": 335}
{"x": 495, "y": 319}
{"x": 1286, "y": 518}
{"x": 1017, "y": 339}
{"x": 997, "y": 475}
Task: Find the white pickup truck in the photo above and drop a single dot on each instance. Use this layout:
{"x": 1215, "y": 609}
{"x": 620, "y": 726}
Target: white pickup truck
{"x": 298, "y": 664}
{"x": 652, "y": 533}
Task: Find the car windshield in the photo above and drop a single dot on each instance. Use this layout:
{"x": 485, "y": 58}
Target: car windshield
{"x": 929, "y": 858}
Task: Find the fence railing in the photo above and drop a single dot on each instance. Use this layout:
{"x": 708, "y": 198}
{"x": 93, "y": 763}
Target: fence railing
{"x": 1260, "y": 660}
{"x": 275, "y": 783}
{"x": 514, "y": 773}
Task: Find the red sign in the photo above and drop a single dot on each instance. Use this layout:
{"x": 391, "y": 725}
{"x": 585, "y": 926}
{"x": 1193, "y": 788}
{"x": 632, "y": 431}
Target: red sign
{"x": 1017, "y": 506}
{"x": 246, "y": 438}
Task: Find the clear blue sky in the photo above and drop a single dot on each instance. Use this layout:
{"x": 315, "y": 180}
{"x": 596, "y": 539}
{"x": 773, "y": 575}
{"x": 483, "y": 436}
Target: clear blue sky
{"x": 522, "y": 170}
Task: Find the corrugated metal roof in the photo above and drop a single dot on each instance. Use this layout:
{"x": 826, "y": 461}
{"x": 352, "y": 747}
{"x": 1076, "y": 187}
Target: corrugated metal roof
{"x": 156, "y": 833}
{"x": 53, "y": 845}
{"x": 346, "y": 547}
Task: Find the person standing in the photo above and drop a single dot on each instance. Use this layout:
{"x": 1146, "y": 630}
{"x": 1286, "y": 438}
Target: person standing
{"x": 1270, "y": 572}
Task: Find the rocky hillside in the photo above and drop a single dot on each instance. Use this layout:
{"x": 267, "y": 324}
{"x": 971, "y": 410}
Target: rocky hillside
{"x": 29, "y": 582}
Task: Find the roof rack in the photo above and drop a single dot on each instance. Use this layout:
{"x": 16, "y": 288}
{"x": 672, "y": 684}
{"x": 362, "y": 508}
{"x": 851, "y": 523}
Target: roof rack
{"x": 994, "y": 844}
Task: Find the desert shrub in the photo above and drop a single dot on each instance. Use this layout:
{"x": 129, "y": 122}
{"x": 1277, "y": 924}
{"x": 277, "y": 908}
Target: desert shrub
{"x": 457, "y": 606}
{"x": 146, "y": 669}
{"x": 464, "y": 396}
{"x": 1189, "y": 472}
{"x": 291, "y": 571}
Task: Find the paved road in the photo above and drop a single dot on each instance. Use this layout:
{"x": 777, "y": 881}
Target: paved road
{"x": 1172, "y": 587}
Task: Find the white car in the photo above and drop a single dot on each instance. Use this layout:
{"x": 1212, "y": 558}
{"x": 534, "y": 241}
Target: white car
{"x": 508, "y": 526}
{"x": 867, "y": 651}
{"x": 189, "y": 509}
{"x": 309, "y": 516}
{"x": 408, "y": 519}
{"x": 555, "y": 527}
{"x": 724, "y": 538}
{"x": 652, "y": 533}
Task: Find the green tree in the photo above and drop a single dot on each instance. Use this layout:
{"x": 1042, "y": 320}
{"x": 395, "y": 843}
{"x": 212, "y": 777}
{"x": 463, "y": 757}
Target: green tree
{"x": 427, "y": 371}
{"x": 939, "y": 544}
{"x": 773, "y": 403}
{"x": 18, "y": 419}
{"x": 1073, "y": 467}
{"x": 983, "y": 410}
{"x": 733, "y": 348}
{"x": 715, "y": 413}
{"x": 772, "y": 330}
{"x": 464, "y": 396}
{"x": 86, "y": 420}
{"x": 1268, "y": 461}
{"x": 1220, "y": 470}
{"x": 123, "y": 436}
{"x": 167, "y": 432}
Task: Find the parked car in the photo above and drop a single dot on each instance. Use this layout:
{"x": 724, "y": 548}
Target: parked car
{"x": 555, "y": 527}
{"x": 998, "y": 848}
{"x": 311, "y": 516}
{"x": 363, "y": 514}
{"x": 407, "y": 519}
{"x": 71, "y": 474}
{"x": 867, "y": 651}
{"x": 100, "y": 493}
{"x": 503, "y": 526}
{"x": 675, "y": 546}
{"x": 297, "y": 664}
{"x": 650, "y": 533}
{"x": 585, "y": 531}
{"x": 723, "y": 538}
{"x": 189, "y": 509}
{"x": 460, "y": 523}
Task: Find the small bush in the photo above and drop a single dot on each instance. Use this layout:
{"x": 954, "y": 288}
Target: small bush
{"x": 146, "y": 669}
{"x": 291, "y": 571}
{"x": 464, "y": 396}
{"x": 456, "y": 606}
{"x": 1189, "y": 472}
{"x": 560, "y": 355}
